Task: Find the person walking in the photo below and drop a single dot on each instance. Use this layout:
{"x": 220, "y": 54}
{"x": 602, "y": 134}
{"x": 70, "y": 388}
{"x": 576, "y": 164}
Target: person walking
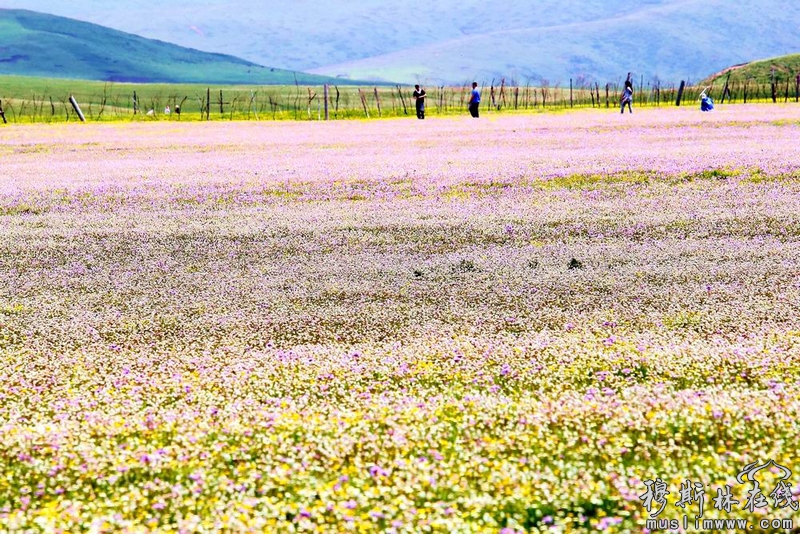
{"x": 419, "y": 99}
{"x": 627, "y": 96}
{"x": 474, "y": 100}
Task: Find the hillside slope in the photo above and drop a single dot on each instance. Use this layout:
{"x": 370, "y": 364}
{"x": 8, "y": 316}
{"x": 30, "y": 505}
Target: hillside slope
{"x": 785, "y": 68}
{"x": 36, "y": 44}
{"x": 451, "y": 41}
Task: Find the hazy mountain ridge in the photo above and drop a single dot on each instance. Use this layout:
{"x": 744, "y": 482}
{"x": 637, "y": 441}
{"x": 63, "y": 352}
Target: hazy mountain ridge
{"x": 599, "y": 50}
{"x": 451, "y": 41}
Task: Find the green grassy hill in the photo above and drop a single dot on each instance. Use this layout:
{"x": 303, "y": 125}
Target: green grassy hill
{"x": 36, "y": 44}
{"x": 761, "y": 71}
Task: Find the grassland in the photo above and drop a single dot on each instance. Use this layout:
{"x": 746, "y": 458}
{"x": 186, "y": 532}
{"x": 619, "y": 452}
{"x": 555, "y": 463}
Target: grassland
{"x": 27, "y": 100}
{"x": 507, "y": 325}
{"x": 781, "y": 70}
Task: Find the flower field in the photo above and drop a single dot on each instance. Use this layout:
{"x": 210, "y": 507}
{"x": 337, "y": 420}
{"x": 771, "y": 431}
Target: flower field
{"x": 452, "y": 325}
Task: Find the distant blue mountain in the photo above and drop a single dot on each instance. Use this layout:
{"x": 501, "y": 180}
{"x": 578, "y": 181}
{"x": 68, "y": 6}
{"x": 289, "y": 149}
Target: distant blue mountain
{"x": 452, "y": 41}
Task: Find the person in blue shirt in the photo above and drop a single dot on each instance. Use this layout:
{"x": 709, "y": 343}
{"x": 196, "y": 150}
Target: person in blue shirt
{"x": 706, "y": 104}
{"x": 474, "y": 100}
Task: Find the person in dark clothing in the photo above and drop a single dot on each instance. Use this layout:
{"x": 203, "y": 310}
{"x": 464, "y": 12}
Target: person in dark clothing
{"x": 474, "y": 100}
{"x": 627, "y": 95}
{"x": 419, "y": 98}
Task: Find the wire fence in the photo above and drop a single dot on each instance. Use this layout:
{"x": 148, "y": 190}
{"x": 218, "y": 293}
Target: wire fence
{"x": 108, "y": 102}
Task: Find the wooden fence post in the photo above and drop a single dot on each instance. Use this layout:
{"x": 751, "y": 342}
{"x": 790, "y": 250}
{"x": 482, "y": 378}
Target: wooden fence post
{"x": 179, "y": 106}
{"x": 378, "y": 102}
{"x": 77, "y": 108}
{"x": 325, "y": 96}
{"x": 725, "y": 91}
{"x": 680, "y": 93}
{"x": 311, "y": 96}
{"x": 363, "y": 101}
{"x": 526, "y": 95}
{"x": 2, "y": 113}
{"x": 774, "y": 87}
{"x": 797, "y": 89}
{"x": 208, "y": 104}
{"x": 570, "y": 92}
{"x": 402, "y": 100}
{"x": 607, "y": 102}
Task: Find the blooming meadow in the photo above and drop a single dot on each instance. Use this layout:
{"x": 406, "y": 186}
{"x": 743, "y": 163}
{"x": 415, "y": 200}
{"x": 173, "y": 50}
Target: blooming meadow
{"x": 450, "y": 325}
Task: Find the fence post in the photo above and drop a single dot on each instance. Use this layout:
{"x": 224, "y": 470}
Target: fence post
{"x": 570, "y": 92}
{"x": 773, "y": 87}
{"x": 2, "y": 113}
{"x": 311, "y": 96}
{"x": 363, "y": 101}
{"x": 607, "y": 103}
{"x": 378, "y": 102}
{"x": 797, "y": 89}
{"x": 77, "y": 108}
{"x": 725, "y": 90}
{"x": 402, "y": 100}
{"x": 325, "y": 96}
{"x": 179, "y": 106}
{"x": 680, "y": 93}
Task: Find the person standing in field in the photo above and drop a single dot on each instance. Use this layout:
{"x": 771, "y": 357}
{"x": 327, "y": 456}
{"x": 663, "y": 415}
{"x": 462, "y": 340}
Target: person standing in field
{"x": 419, "y": 99}
{"x": 627, "y": 95}
{"x": 474, "y": 100}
